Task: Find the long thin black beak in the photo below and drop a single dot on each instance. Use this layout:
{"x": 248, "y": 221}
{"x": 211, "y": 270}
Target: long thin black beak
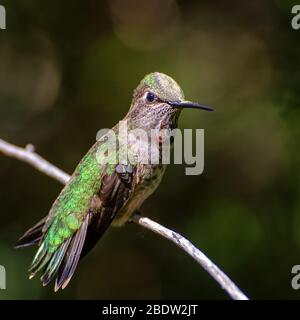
{"x": 189, "y": 104}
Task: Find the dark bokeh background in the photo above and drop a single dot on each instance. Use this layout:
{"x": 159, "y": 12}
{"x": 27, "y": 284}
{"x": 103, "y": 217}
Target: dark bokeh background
{"x": 68, "y": 68}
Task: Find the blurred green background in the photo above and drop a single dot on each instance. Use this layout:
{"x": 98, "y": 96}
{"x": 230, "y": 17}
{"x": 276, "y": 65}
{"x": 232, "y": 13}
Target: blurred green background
{"x": 68, "y": 69}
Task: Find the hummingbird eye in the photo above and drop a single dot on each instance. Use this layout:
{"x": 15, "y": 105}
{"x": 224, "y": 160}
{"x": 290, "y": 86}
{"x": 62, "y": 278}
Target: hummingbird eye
{"x": 150, "y": 97}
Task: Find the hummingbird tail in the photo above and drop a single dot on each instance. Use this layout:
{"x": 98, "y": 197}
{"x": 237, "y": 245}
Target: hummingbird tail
{"x": 62, "y": 262}
{"x": 32, "y": 236}
{"x": 70, "y": 258}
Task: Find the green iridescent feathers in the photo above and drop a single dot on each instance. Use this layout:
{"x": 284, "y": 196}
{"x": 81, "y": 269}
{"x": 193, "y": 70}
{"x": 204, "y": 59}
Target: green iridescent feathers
{"x": 64, "y": 230}
{"x": 70, "y": 208}
{"x": 164, "y": 86}
{"x": 79, "y": 216}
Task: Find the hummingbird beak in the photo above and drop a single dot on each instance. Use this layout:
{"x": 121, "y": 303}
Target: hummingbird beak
{"x": 189, "y": 104}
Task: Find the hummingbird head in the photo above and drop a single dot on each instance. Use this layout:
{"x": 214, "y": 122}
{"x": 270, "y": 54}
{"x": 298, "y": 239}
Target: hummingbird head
{"x": 157, "y": 102}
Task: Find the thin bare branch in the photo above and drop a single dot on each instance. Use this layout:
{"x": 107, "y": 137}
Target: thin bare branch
{"x": 28, "y": 155}
{"x": 184, "y": 244}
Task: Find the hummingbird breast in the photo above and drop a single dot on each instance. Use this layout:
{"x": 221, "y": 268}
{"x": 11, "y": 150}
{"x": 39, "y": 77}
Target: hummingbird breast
{"x": 148, "y": 179}
{"x": 147, "y": 175}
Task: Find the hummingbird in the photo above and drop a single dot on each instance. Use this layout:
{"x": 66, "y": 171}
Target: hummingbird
{"x": 102, "y": 194}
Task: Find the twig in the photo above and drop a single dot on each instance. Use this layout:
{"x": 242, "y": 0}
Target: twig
{"x": 29, "y": 156}
{"x": 184, "y": 244}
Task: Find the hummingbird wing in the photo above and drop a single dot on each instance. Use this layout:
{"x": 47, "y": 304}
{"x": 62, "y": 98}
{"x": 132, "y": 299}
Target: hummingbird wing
{"x": 113, "y": 194}
{"x": 78, "y": 217}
